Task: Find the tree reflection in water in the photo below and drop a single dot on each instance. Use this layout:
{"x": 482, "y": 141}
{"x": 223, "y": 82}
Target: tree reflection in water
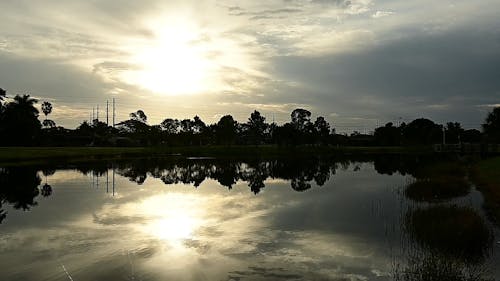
{"x": 440, "y": 241}
{"x": 19, "y": 185}
{"x": 19, "y": 188}
{"x": 443, "y": 242}
{"x": 301, "y": 173}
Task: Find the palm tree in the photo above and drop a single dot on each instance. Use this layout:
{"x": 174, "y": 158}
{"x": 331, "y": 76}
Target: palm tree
{"x": 3, "y": 93}
{"x": 46, "y": 108}
{"x": 20, "y": 124}
{"x": 25, "y": 104}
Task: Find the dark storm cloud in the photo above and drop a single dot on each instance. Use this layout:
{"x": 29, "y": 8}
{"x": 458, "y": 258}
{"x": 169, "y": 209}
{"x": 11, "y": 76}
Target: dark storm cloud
{"x": 73, "y": 90}
{"x": 44, "y": 77}
{"x": 435, "y": 75}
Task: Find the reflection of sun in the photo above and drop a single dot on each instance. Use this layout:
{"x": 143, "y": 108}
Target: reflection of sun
{"x": 174, "y": 216}
{"x": 174, "y": 62}
{"x": 175, "y": 228}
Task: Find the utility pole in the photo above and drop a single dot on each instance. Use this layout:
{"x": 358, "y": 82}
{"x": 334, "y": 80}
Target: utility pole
{"x": 107, "y": 179}
{"x": 444, "y": 135}
{"x": 114, "y": 113}
{"x": 97, "y": 113}
{"x": 113, "y": 180}
{"x": 107, "y": 113}
{"x": 93, "y": 114}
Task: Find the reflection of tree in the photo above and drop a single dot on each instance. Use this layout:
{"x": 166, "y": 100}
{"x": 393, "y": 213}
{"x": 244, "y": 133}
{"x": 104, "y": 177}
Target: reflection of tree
{"x": 300, "y": 172}
{"x": 18, "y": 187}
{"x": 226, "y": 175}
{"x": 443, "y": 243}
{"x": 431, "y": 266}
{"x": 3, "y": 213}
{"x": 454, "y": 231}
{"x": 136, "y": 174}
{"x": 46, "y": 190}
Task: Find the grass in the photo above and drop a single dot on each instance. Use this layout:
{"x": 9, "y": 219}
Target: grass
{"x": 486, "y": 175}
{"x": 29, "y": 155}
{"x": 441, "y": 169}
{"x": 458, "y": 232}
{"x": 437, "y": 190}
{"x": 434, "y": 267}
{"x": 438, "y": 182}
{"x": 22, "y": 155}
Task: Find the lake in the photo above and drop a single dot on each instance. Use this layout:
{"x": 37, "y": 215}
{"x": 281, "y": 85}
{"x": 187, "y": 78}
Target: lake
{"x": 350, "y": 218}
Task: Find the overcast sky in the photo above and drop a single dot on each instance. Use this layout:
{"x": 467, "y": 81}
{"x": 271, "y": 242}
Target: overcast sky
{"x": 357, "y": 62}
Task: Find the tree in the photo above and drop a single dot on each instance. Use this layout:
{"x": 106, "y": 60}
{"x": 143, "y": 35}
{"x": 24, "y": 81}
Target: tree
{"x": 3, "y": 93}
{"x": 186, "y": 126}
{"x": 491, "y": 127}
{"x": 47, "y": 123}
{"x": 454, "y": 132}
{"x": 257, "y": 127}
{"x": 286, "y": 134}
{"x": 301, "y": 118}
{"x": 321, "y": 129}
{"x": 139, "y": 116}
{"x": 171, "y": 126}
{"x": 136, "y": 128}
{"x": 20, "y": 124}
{"x": 226, "y": 129}
{"x": 471, "y": 136}
{"x": 388, "y": 135}
{"x": 46, "y": 108}
{"x": 422, "y": 131}
{"x": 198, "y": 126}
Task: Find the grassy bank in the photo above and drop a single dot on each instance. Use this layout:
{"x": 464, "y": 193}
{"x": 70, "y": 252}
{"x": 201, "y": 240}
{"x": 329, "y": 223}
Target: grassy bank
{"x": 15, "y": 155}
{"x": 486, "y": 176}
{"x": 28, "y": 155}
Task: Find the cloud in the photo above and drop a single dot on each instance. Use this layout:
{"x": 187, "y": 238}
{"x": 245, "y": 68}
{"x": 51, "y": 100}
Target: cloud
{"x": 404, "y": 77}
{"x": 381, "y": 14}
{"x": 372, "y": 60}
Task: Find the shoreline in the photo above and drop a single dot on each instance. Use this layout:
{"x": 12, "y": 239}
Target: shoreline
{"x": 485, "y": 177}
{"x": 22, "y": 155}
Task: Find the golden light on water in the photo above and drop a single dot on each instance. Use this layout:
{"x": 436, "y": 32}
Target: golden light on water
{"x": 174, "y": 216}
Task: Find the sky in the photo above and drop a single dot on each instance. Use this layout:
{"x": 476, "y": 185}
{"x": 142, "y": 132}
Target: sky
{"x": 359, "y": 63}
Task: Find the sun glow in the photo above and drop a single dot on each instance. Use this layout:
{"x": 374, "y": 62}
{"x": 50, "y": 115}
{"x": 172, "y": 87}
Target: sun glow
{"x": 175, "y": 217}
{"x": 176, "y": 62}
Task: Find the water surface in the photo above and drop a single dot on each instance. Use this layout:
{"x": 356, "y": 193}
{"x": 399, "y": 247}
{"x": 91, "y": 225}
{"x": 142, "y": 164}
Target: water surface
{"x": 210, "y": 219}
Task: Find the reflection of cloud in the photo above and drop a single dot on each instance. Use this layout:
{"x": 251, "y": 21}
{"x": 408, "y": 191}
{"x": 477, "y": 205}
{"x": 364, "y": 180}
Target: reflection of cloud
{"x": 177, "y": 232}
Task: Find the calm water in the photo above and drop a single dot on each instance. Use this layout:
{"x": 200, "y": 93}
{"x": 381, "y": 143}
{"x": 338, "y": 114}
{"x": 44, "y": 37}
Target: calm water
{"x": 208, "y": 219}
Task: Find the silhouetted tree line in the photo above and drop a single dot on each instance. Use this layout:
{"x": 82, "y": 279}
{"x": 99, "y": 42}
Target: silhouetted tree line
{"x": 20, "y": 186}
{"x": 20, "y": 126}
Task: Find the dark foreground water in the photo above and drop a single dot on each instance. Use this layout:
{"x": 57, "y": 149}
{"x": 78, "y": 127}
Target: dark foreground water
{"x": 208, "y": 219}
